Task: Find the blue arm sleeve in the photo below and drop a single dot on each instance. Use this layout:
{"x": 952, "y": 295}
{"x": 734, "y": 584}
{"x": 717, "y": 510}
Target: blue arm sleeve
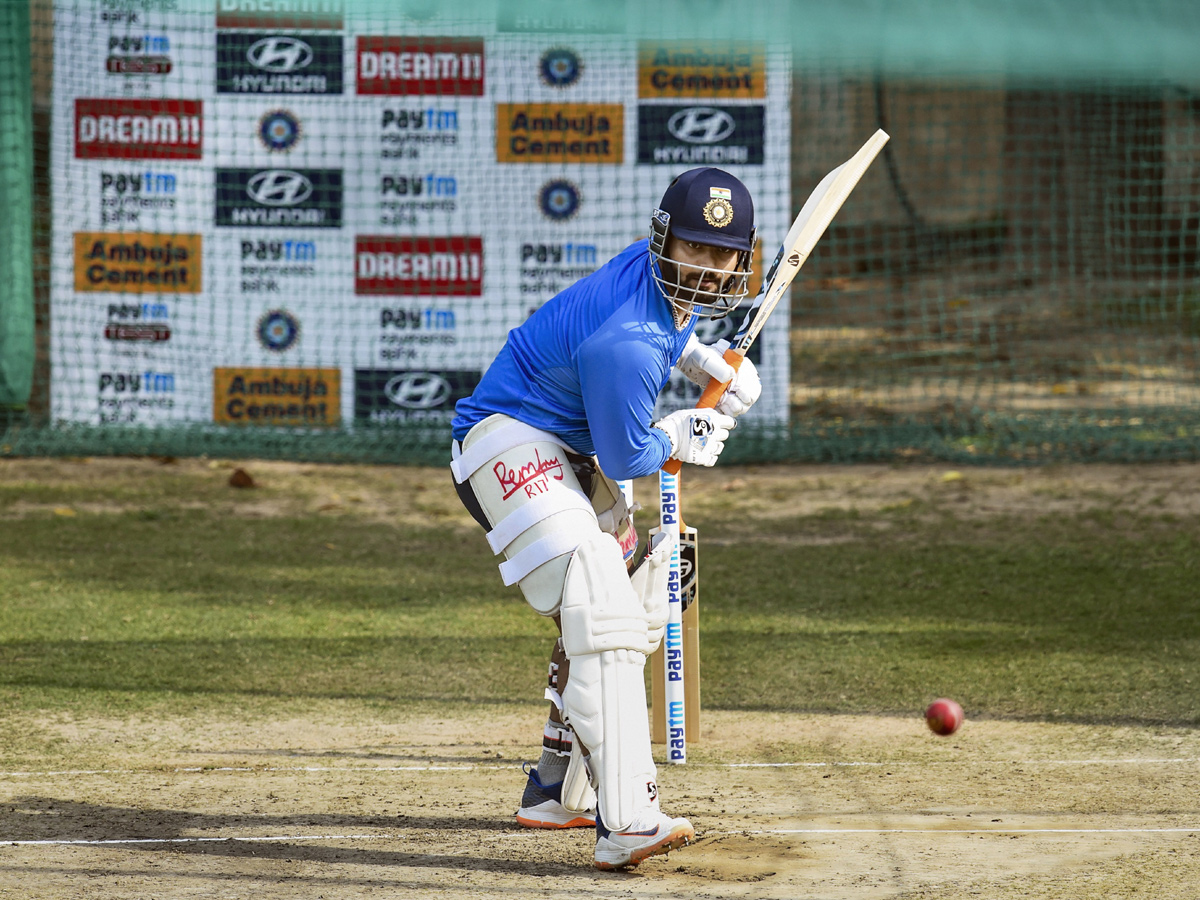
{"x": 619, "y": 379}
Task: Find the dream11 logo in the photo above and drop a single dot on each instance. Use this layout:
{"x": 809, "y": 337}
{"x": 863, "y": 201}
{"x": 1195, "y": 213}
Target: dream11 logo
{"x": 114, "y": 128}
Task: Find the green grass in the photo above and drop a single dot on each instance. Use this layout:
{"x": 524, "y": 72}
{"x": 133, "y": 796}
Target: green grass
{"x": 1091, "y": 617}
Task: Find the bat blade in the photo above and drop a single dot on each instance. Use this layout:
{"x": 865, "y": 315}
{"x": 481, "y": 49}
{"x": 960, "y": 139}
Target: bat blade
{"x": 814, "y": 218}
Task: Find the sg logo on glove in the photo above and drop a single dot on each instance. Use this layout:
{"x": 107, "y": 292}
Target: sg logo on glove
{"x": 701, "y": 430}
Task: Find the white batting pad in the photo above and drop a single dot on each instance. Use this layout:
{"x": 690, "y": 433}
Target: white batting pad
{"x": 605, "y": 703}
{"x": 578, "y": 795}
{"x": 600, "y": 610}
{"x": 605, "y": 635}
{"x": 535, "y": 504}
{"x": 650, "y": 585}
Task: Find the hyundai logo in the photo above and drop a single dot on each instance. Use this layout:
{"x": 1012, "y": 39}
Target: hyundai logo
{"x": 701, "y": 125}
{"x": 279, "y": 54}
{"x": 279, "y": 187}
{"x": 417, "y": 390}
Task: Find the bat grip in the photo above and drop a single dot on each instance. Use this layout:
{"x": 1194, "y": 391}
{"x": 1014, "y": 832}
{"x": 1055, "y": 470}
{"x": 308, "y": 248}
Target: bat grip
{"x": 713, "y": 392}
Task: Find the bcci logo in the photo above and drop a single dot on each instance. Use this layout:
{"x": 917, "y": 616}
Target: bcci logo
{"x": 278, "y": 330}
{"x": 718, "y": 212}
{"x": 279, "y": 130}
{"x": 558, "y": 200}
{"x": 560, "y": 67}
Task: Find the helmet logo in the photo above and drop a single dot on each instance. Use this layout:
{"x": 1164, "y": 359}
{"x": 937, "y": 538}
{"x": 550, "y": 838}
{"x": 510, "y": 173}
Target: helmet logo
{"x": 718, "y": 212}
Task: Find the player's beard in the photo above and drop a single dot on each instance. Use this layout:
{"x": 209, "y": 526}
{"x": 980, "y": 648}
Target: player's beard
{"x": 698, "y": 283}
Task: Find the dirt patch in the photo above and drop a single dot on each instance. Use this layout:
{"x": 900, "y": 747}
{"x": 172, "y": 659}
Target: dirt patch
{"x": 346, "y": 803}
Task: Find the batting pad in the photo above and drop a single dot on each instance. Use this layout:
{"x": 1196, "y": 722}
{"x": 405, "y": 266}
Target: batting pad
{"x": 649, "y": 582}
{"x": 533, "y": 501}
{"x": 605, "y": 635}
{"x": 605, "y": 703}
{"x": 578, "y": 794}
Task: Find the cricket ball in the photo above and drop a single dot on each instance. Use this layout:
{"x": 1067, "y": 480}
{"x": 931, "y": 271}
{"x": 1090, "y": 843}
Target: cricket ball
{"x": 943, "y": 716}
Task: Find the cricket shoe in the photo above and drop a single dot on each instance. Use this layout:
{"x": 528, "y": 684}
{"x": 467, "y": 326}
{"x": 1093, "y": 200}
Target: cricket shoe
{"x": 541, "y": 806}
{"x": 649, "y": 834}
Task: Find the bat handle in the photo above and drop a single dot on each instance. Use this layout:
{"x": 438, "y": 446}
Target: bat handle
{"x": 713, "y": 392}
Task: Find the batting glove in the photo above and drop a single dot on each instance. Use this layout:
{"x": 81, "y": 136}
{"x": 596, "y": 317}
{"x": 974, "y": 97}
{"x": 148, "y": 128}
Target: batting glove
{"x": 745, "y": 389}
{"x": 701, "y": 362}
{"x": 697, "y": 435}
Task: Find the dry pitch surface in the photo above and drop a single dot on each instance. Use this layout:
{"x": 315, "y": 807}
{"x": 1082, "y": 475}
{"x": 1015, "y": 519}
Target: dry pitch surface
{"x": 346, "y": 802}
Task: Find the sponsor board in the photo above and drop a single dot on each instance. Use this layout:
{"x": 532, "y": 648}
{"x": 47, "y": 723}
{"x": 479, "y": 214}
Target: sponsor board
{"x": 547, "y": 268}
{"x": 279, "y": 198}
{"x": 299, "y": 14}
{"x": 126, "y": 194}
{"x": 442, "y": 266}
{"x": 556, "y": 133}
{"x": 266, "y": 264}
{"x": 129, "y": 12}
{"x": 109, "y": 128}
{"x": 404, "y": 195}
{"x": 406, "y": 131}
{"x": 271, "y": 63}
{"x": 138, "y": 322}
{"x": 732, "y": 71}
{"x": 399, "y": 397}
{"x": 700, "y": 134}
{"x": 143, "y": 54}
{"x": 128, "y": 397}
{"x": 414, "y": 65}
{"x": 277, "y": 397}
{"x": 555, "y": 17}
{"x": 137, "y": 262}
{"x": 404, "y": 329}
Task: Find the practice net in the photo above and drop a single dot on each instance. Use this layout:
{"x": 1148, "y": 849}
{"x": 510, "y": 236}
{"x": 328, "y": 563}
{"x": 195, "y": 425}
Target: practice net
{"x": 302, "y": 228}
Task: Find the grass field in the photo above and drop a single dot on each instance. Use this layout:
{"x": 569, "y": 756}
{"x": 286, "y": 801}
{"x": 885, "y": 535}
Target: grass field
{"x": 318, "y": 686}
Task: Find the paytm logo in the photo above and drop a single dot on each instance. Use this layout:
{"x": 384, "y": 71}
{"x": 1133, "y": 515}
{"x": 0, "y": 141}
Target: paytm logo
{"x": 149, "y": 382}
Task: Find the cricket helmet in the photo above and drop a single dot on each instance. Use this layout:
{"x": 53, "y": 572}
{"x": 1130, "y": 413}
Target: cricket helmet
{"x": 704, "y": 206}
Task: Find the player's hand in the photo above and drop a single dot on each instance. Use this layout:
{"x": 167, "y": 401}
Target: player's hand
{"x": 745, "y": 389}
{"x": 697, "y": 435}
{"x": 701, "y": 362}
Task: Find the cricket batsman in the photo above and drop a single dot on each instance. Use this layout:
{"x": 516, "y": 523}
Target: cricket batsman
{"x": 564, "y": 411}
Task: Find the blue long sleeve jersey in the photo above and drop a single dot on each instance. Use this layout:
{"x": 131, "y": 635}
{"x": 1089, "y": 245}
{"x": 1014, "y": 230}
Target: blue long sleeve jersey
{"x": 588, "y": 367}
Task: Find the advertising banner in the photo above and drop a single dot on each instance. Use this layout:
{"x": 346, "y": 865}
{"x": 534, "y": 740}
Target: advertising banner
{"x": 295, "y": 215}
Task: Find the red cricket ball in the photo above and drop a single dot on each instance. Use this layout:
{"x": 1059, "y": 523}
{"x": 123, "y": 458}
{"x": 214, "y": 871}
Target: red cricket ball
{"x": 943, "y": 716}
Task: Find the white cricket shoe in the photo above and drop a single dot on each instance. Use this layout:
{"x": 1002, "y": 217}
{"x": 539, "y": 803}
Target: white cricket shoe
{"x": 649, "y": 834}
